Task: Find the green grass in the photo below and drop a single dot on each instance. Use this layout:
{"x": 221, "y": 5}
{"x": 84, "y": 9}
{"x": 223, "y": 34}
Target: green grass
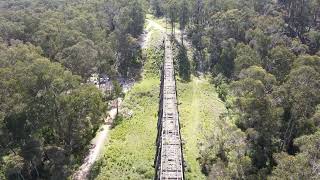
{"x": 156, "y": 36}
{"x": 199, "y": 111}
{"x": 160, "y": 21}
{"x": 131, "y": 148}
{"x": 130, "y": 152}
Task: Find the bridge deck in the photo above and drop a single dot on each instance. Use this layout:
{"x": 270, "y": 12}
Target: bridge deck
{"x": 170, "y": 165}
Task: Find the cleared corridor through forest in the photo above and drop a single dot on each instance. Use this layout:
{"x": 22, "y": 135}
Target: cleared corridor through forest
{"x": 169, "y": 158}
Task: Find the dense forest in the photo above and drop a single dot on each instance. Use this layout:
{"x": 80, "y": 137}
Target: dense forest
{"x": 263, "y": 57}
{"x": 48, "y": 49}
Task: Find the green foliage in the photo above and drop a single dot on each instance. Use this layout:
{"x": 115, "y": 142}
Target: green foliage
{"x": 131, "y": 148}
{"x": 10, "y": 30}
{"x": 245, "y": 58}
{"x": 156, "y": 6}
{"x": 258, "y": 73}
{"x": 304, "y": 165}
{"x": 47, "y": 117}
{"x": 312, "y": 61}
{"x": 80, "y": 58}
{"x": 233, "y": 24}
{"x": 314, "y": 40}
{"x": 48, "y": 49}
{"x": 183, "y": 14}
{"x": 43, "y": 106}
{"x": 13, "y": 165}
{"x": 222, "y": 86}
{"x": 184, "y": 67}
{"x": 199, "y": 111}
{"x": 226, "y": 63}
{"x": 299, "y": 16}
{"x": 75, "y": 33}
{"x": 264, "y": 58}
{"x": 280, "y": 62}
{"x": 258, "y": 117}
{"x": 130, "y": 152}
{"x": 260, "y": 41}
{"x": 300, "y": 100}
{"x": 117, "y": 89}
{"x": 225, "y": 155}
{"x": 171, "y": 9}
{"x": 152, "y": 67}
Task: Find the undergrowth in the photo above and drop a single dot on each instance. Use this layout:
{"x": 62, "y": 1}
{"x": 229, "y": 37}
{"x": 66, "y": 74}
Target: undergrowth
{"x": 130, "y": 152}
{"x": 199, "y": 111}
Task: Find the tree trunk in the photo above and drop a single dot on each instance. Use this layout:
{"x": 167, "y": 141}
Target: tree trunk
{"x": 172, "y": 32}
{"x": 182, "y": 32}
{"x": 166, "y": 24}
{"x": 35, "y": 167}
{"x": 21, "y": 175}
{"x": 117, "y": 106}
{"x": 99, "y": 81}
{"x": 287, "y": 135}
{"x": 14, "y": 152}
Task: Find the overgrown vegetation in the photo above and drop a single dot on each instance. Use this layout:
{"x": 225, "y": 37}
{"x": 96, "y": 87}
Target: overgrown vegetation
{"x": 48, "y": 50}
{"x": 199, "y": 111}
{"x": 264, "y": 58}
{"x": 182, "y": 63}
{"x": 131, "y": 149}
{"x": 47, "y": 117}
{"x": 129, "y": 154}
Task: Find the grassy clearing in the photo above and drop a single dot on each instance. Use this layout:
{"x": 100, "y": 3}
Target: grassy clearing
{"x": 160, "y": 21}
{"x": 130, "y": 152}
{"x": 199, "y": 111}
{"x": 131, "y": 148}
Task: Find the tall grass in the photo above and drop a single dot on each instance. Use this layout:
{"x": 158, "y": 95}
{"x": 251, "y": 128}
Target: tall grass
{"x": 130, "y": 152}
{"x": 199, "y": 112}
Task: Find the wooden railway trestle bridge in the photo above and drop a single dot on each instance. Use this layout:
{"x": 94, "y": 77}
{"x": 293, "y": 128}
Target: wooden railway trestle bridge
{"x": 169, "y": 164}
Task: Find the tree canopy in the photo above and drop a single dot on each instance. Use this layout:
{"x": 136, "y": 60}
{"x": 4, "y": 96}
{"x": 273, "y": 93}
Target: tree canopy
{"x": 48, "y": 51}
{"x": 264, "y": 59}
